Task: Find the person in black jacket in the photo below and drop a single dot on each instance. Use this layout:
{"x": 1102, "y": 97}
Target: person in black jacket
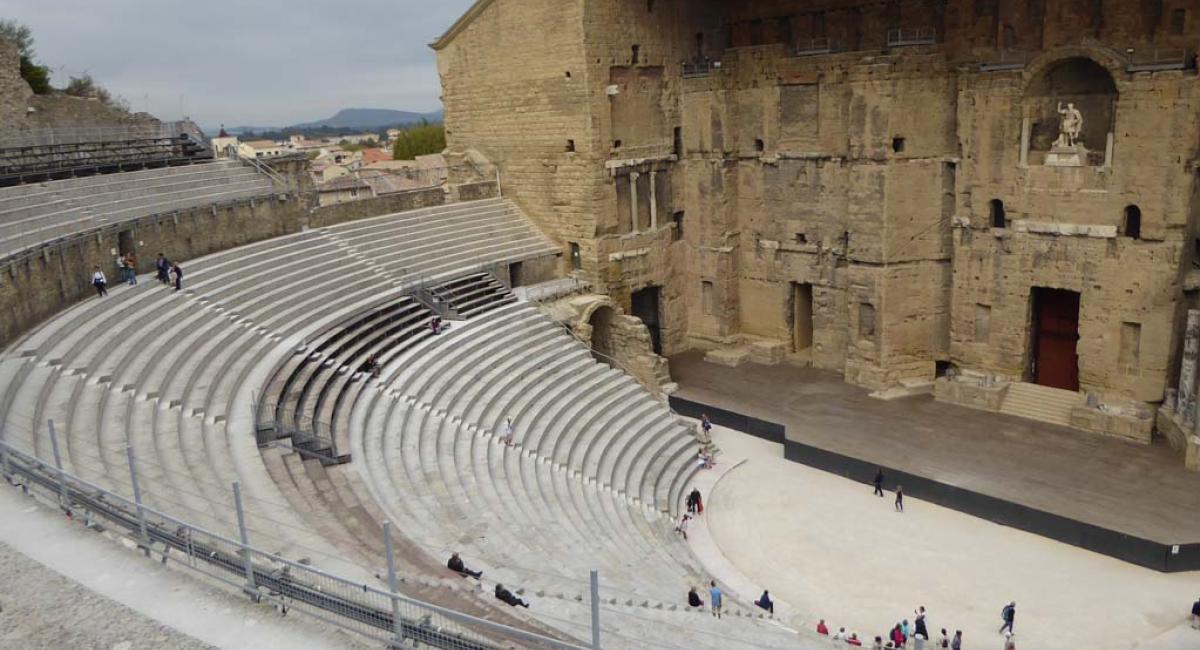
{"x": 694, "y": 598}
{"x": 921, "y": 628}
{"x": 456, "y": 565}
{"x": 509, "y": 597}
{"x": 879, "y": 482}
{"x": 1196, "y": 614}
{"x": 1008, "y": 615}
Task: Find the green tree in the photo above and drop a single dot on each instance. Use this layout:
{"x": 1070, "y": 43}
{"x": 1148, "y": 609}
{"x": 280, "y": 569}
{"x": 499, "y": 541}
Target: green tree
{"x": 37, "y": 76}
{"x": 419, "y": 140}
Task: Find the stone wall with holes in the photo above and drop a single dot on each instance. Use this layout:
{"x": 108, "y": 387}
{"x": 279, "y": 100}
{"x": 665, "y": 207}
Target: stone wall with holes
{"x": 849, "y": 154}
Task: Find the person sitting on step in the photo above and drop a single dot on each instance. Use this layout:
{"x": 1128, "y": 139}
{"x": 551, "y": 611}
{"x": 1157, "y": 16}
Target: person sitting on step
{"x": 764, "y": 601}
{"x": 694, "y": 598}
{"x": 509, "y": 597}
{"x": 456, "y": 565}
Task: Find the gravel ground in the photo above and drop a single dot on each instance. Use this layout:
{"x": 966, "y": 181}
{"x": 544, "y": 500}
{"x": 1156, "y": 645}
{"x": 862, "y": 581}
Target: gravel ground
{"x": 42, "y": 609}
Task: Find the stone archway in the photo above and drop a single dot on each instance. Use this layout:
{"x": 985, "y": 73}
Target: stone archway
{"x": 601, "y": 324}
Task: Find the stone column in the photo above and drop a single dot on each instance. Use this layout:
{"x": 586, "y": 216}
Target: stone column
{"x": 653, "y": 203}
{"x": 1108, "y": 150}
{"x": 633, "y": 211}
{"x": 1187, "y": 369}
{"x": 1025, "y": 129}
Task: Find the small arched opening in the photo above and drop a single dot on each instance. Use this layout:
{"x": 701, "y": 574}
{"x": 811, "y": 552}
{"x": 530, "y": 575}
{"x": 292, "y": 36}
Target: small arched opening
{"x": 999, "y": 219}
{"x": 1133, "y": 222}
{"x": 603, "y": 347}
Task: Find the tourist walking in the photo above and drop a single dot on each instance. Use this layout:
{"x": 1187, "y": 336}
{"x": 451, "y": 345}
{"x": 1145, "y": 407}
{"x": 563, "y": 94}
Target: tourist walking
{"x": 706, "y": 425}
{"x": 681, "y": 527}
{"x": 100, "y": 282}
{"x": 456, "y": 565}
{"x": 694, "y": 506}
{"x": 919, "y": 623}
{"x": 956, "y": 642}
{"x": 1008, "y": 615}
{"x": 162, "y": 269}
{"x": 129, "y": 269}
{"x": 899, "y": 498}
{"x": 694, "y": 598}
{"x": 508, "y": 432}
{"x": 944, "y": 641}
{"x": 714, "y": 596}
{"x": 879, "y": 482}
{"x": 178, "y": 271}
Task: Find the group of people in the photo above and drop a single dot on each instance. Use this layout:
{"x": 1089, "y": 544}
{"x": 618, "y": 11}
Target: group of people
{"x": 900, "y": 635}
{"x": 127, "y": 266}
{"x": 878, "y": 483}
{"x": 502, "y": 593}
{"x": 715, "y": 597}
{"x": 695, "y": 506}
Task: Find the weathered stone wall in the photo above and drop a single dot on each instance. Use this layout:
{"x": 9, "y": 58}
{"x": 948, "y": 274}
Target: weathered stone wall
{"x": 36, "y": 286}
{"x": 517, "y": 78}
{"x": 861, "y": 179}
{"x": 14, "y": 92}
{"x": 331, "y": 215}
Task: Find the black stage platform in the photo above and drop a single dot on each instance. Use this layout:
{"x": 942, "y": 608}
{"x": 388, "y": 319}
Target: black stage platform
{"x": 1132, "y": 502}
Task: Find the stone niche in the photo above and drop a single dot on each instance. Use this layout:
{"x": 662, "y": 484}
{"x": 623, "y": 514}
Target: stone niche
{"x": 1074, "y": 89}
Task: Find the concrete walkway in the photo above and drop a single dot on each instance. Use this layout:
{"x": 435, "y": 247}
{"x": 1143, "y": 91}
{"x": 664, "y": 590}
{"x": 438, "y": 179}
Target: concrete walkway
{"x": 832, "y": 550}
{"x": 62, "y": 586}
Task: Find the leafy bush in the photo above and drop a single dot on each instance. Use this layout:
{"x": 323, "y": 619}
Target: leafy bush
{"x": 419, "y": 140}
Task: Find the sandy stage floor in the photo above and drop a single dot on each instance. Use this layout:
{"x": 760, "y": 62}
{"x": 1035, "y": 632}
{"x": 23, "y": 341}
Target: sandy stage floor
{"x": 830, "y": 549}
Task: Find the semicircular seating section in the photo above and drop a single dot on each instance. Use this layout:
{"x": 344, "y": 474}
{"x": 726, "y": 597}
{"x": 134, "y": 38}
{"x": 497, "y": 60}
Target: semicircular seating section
{"x": 34, "y": 213}
{"x": 472, "y": 295}
{"x": 305, "y": 396}
{"x": 593, "y": 480}
{"x": 173, "y": 375}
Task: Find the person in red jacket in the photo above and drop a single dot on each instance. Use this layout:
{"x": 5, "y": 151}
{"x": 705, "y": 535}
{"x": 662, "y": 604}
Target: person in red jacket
{"x": 853, "y": 640}
{"x": 821, "y": 629}
{"x": 898, "y": 636}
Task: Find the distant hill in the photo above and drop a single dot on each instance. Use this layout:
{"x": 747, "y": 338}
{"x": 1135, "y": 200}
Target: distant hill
{"x": 370, "y": 118}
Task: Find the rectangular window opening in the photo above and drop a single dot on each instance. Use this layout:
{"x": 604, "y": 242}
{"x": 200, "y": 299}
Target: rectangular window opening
{"x": 866, "y": 321}
{"x": 706, "y": 295}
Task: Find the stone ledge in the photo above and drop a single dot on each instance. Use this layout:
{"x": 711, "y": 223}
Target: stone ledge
{"x": 970, "y": 394}
{"x": 730, "y": 357}
{"x": 1116, "y": 425}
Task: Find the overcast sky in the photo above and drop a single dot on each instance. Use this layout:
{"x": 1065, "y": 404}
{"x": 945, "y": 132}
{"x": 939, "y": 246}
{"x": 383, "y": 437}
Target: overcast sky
{"x": 246, "y": 62}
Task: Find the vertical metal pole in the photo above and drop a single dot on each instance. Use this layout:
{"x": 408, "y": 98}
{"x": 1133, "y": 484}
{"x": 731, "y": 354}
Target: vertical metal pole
{"x": 595, "y": 580}
{"x": 137, "y": 497}
{"x": 245, "y": 539}
{"x": 62, "y": 478}
{"x": 397, "y": 624}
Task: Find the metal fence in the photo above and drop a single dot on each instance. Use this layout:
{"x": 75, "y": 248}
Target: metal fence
{"x": 385, "y": 616}
{"x": 83, "y": 134}
{"x": 911, "y": 36}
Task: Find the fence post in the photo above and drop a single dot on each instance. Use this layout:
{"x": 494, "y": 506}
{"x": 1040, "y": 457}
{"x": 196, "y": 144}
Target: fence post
{"x": 137, "y": 498}
{"x": 4, "y": 464}
{"x": 251, "y": 589}
{"x": 595, "y": 580}
{"x": 397, "y": 624}
{"x": 62, "y": 478}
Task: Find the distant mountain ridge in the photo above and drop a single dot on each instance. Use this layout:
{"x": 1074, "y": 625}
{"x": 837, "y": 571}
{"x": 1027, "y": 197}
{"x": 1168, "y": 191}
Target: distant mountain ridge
{"x": 348, "y": 118}
{"x": 368, "y": 118}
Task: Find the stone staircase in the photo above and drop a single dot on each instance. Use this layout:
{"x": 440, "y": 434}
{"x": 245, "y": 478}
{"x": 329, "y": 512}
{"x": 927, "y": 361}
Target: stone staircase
{"x": 1042, "y": 403}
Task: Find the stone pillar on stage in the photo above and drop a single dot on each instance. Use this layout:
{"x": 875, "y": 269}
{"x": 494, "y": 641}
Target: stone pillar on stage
{"x": 1186, "y": 396}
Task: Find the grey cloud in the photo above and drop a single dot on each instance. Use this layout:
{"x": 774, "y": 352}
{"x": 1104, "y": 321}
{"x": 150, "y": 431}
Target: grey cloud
{"x": 262, "y": 62}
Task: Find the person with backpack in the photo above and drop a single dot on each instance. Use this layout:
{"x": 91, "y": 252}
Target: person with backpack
{"x": 100, "y": 282}
{"x": 1008, "y": 615}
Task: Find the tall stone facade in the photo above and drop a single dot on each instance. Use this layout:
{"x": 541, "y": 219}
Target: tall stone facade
{"x": 883, "y": 187}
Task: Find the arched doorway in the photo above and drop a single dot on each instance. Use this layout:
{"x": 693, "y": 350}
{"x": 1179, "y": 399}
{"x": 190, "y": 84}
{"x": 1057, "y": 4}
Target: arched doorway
{"x": 601, "y": 322}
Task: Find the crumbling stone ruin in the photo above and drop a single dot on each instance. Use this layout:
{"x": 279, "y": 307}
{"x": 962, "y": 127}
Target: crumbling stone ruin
{"x": 998, "y": 191}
